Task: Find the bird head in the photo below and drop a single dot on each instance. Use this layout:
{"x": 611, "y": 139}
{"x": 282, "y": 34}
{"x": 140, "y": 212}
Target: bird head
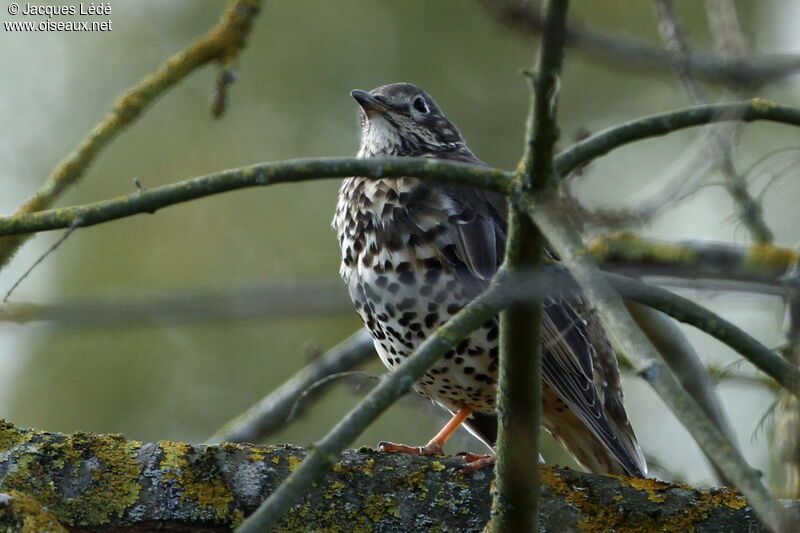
{"x": 402, "y": 119}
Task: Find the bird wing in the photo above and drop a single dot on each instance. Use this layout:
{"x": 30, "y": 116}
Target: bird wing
{"x": 478, "y": 222}
{"x": 573, "y": 368}
{"x": 585, "y": 379}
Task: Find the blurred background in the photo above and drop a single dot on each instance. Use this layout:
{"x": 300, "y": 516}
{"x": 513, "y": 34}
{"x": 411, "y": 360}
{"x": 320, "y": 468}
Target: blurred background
{"x": 157, "y": 379}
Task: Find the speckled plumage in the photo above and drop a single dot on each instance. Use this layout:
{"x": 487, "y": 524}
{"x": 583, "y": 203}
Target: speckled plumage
{"x": 413, "y": 253}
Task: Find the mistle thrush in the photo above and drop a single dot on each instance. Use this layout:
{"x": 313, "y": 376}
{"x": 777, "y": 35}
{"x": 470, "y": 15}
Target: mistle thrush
{"x": 414, "y": 252}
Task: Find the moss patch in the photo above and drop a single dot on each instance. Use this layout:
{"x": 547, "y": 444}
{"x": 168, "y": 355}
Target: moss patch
{"x": 22, "y": 513}
{"x": 83, "y": 479}
{"x": 199, "y": 478}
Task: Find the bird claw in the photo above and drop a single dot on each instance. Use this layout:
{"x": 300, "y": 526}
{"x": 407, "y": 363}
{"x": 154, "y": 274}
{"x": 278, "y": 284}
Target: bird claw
{"x": 476, "y": 462}
{"x": 432, "y": 448}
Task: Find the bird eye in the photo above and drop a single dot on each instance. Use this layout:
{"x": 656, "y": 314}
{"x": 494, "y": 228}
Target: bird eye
{"x": 420, "y": 105}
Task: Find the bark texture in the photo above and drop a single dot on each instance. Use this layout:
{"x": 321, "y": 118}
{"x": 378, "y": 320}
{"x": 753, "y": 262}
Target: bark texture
{"x": 86, "y": 482}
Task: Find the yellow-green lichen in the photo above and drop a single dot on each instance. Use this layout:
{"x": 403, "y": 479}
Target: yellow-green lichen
{"x": 199, "y": 478}
{"x": 369, "y": 467}
{"x": 259, "y": 454}
{"x": 437, "y": 466}
{"x": 635, "y": 248}
{"x": 334, "y": 491}
{"x": 108, "y": 460}
{"x": 656, "y": 491}
{"x": 377, "y": 506}
{"x": 294, "y": 462}
{"x": 11, "y": 437}
{"x": 729, "y": 498}
{"x": 597, "y": 516}
{"x": 414, "y": 482}
{"x": 761, "y": 104}
{"x": 761, "y": 256}
{"x": 28, "y": 513}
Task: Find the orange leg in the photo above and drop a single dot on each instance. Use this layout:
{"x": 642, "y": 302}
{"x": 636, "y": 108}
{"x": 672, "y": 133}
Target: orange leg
{"x": 476, "y": 462}
{"x": 436, "y": 444}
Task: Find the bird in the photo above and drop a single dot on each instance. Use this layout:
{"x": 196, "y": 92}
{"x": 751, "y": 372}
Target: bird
{"x": 414, "y": 252}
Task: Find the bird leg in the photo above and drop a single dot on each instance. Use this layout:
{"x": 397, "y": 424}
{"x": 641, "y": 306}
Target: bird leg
{"x": 436, "y": 445}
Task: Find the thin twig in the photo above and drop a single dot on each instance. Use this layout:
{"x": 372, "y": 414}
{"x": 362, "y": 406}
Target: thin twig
{"x": 607, "y": 140}
{"x": 272, "y": 412}
{"x": 749, "y": 210}
{"x": 256, "y": 301}
{"x": 524, "y": 17}
{"x": 787, "y": 414}
{"x": 258, "y": 175}
{"x": 40, "y": 259}
{"x": 630, "y": 254}
{"x": 683, "y": 360}
{"x": 684, "y": 310}
{"x": 223, "y": 43}
{"x": 447, "y": 171}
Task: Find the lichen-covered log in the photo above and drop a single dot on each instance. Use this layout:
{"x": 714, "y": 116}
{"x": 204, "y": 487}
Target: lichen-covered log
{"x": 108, "y": 483}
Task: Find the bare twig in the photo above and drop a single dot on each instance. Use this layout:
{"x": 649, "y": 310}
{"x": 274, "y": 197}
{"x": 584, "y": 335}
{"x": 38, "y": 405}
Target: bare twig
{"x": 524, "y": 17}
{"x": 222, "y": 43}
{"x": 39, "y": 260}
{"x": 630, "y": 254}
{"x": 682, "y": 359}
{"x": 256, "y": 301}
{"x": 787, "y": 414}
{"x": 272, "y": 411}
{"x": 720, "y": 137}
{"x": 684, "y": 310}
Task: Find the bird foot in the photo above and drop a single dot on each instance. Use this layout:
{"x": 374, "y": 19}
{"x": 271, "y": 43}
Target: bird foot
{"x": 432, "y": 448}
{"x": 476, "y": 462}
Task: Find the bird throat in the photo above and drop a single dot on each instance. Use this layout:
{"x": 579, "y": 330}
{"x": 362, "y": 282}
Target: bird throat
{"x": 380, "y": 136}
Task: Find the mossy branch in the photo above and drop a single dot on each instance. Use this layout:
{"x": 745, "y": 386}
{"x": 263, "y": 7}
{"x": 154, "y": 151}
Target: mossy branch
{"x": 150, "y": 200}
{"x": 639, "y": 129}
{"x": 106, "y": 483}
{"x": 628, "y": 253}
{"x": 222, "y": 43}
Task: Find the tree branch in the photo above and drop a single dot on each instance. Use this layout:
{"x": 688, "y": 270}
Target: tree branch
{"x": 630, "y": 53}
{"x": 628, "y": 253}
{"x": 685, "y": 310}
{"x": 684, "y": 362}
{"x": 719, "y": 140}
{"x": 519, "y": 393}
{"x": 151, "y": 200}
{"x": 222, "y": 43}
{"x": 607, "y": 140}
{"x": 254, "y": 301}
{"x": 105, "y": 483}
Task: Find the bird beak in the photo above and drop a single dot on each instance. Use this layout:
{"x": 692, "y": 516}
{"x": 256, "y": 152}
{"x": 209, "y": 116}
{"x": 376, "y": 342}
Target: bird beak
{"x": 369, "y": 103}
